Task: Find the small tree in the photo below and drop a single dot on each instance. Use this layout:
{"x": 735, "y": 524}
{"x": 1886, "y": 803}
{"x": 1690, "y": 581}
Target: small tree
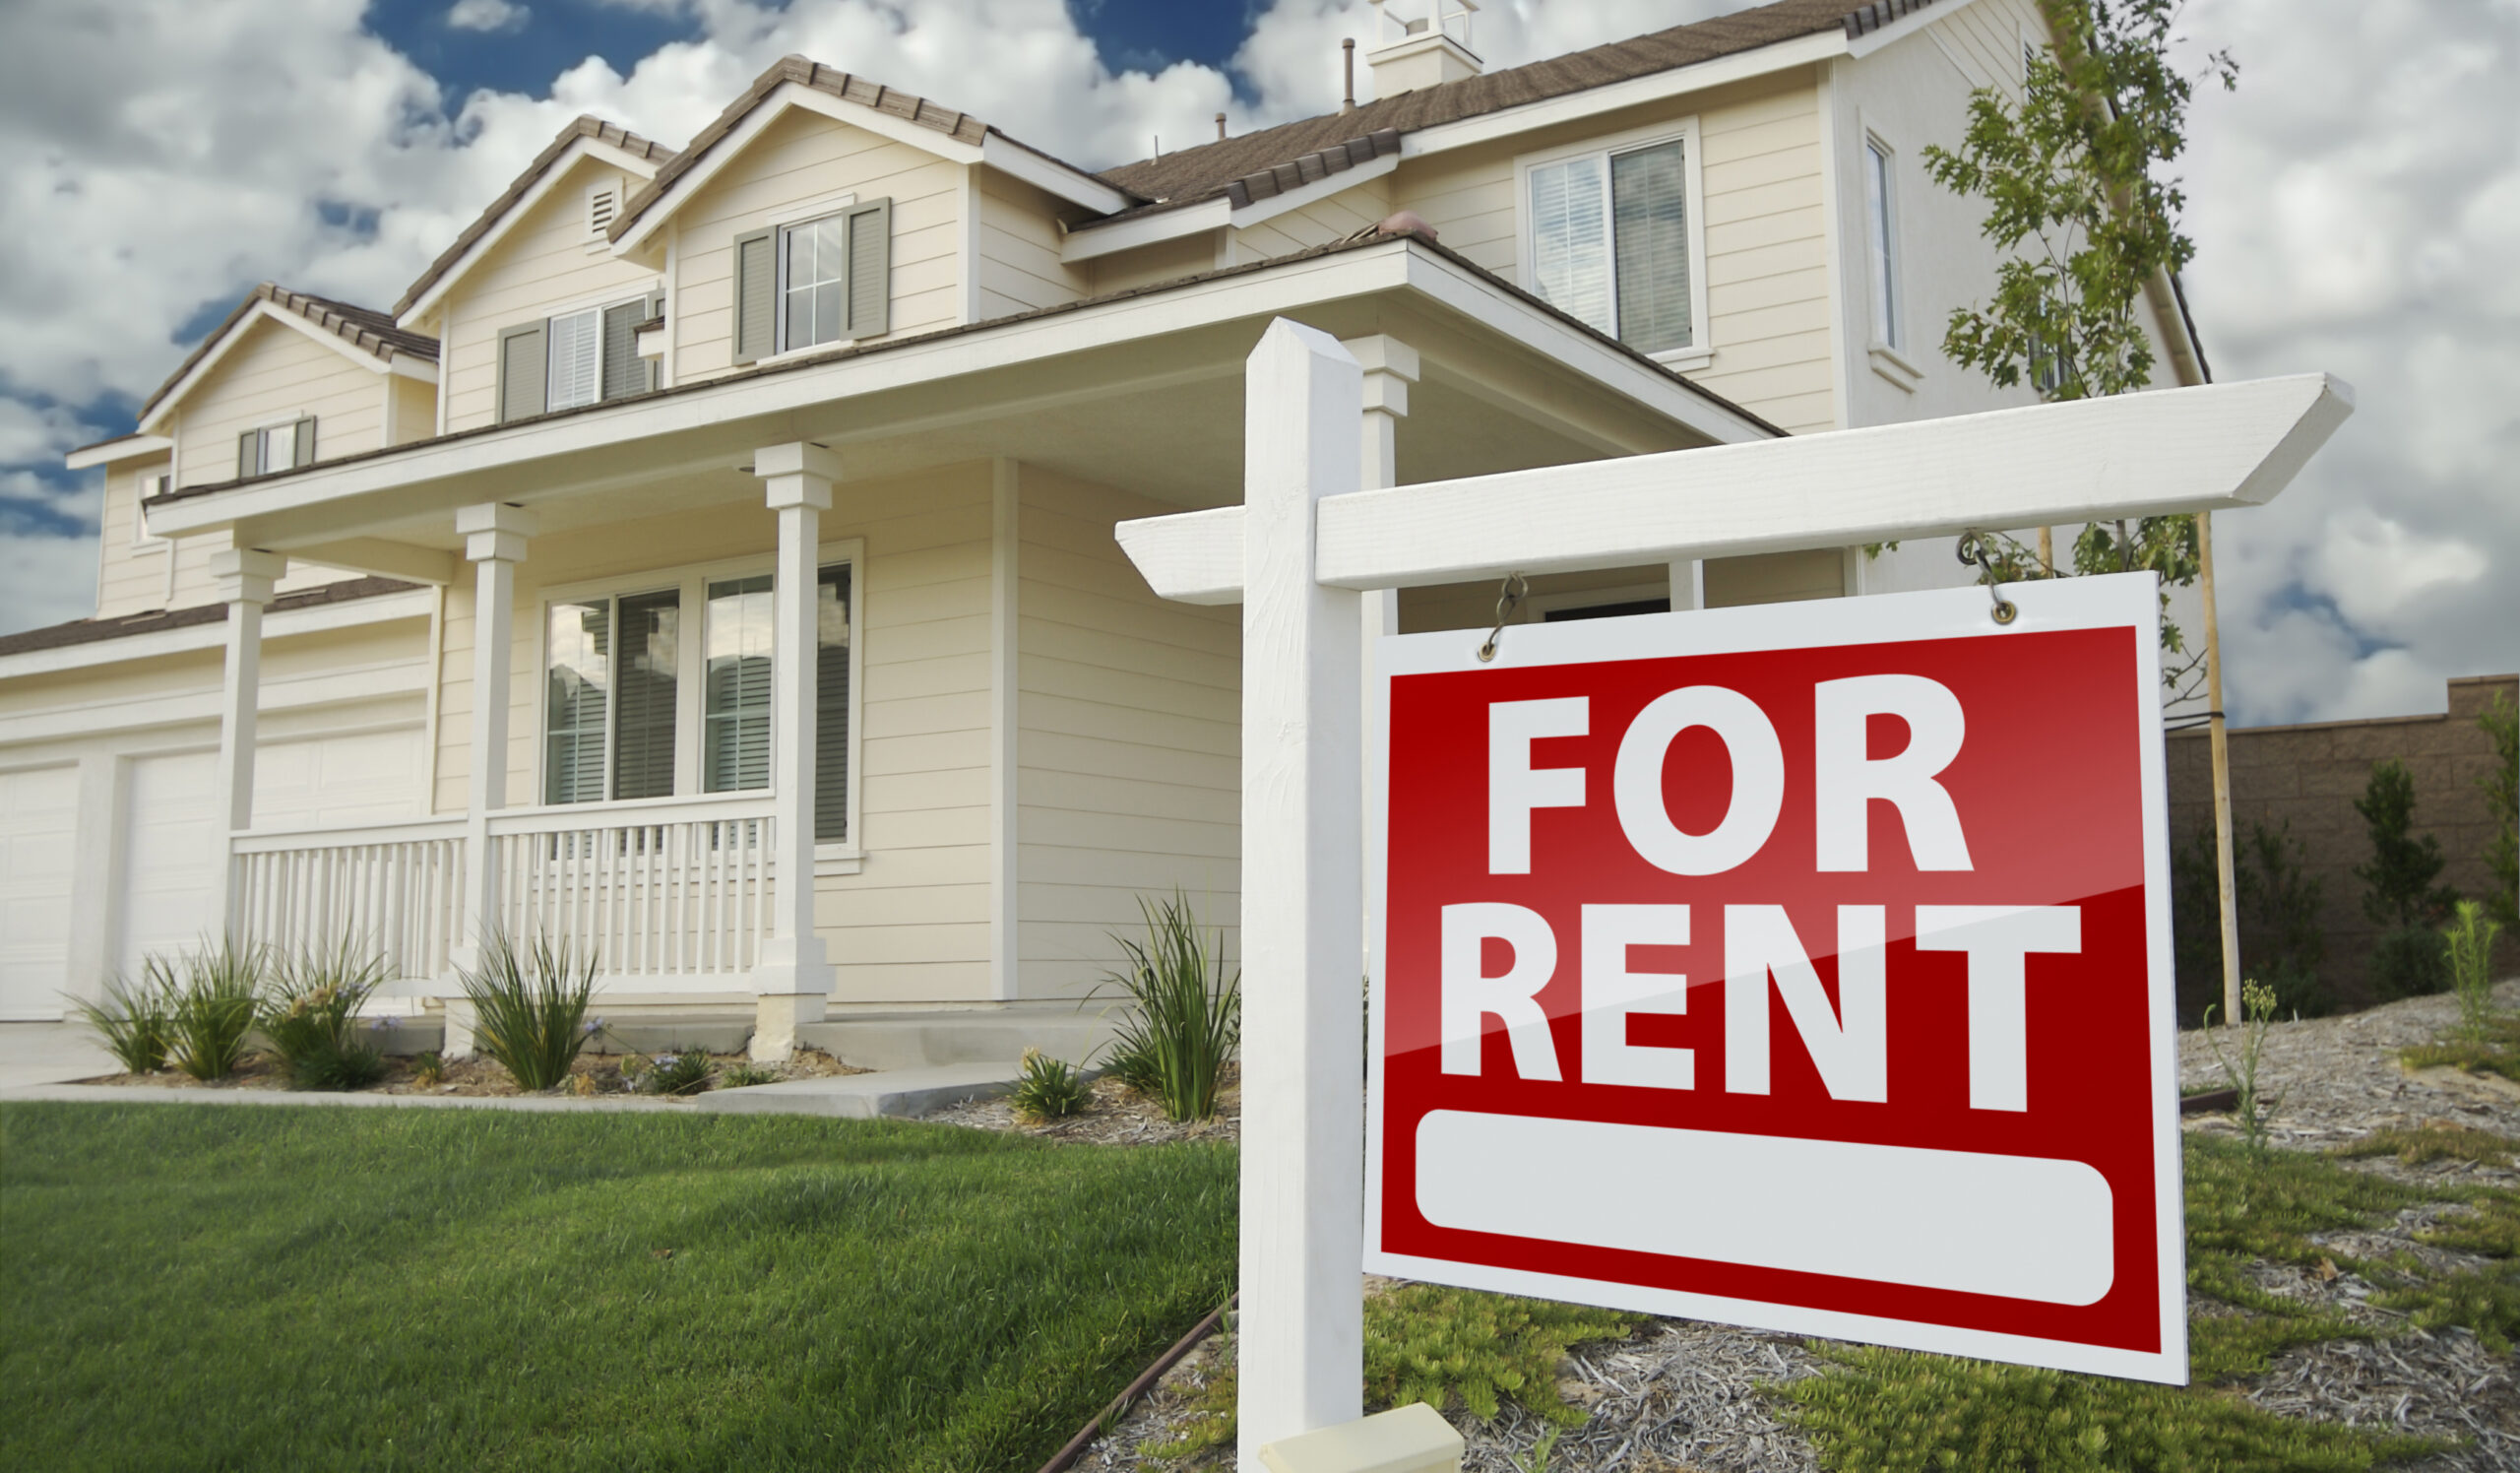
{"x": 2398, "y": 883}
{"x": 2072, "y": 177}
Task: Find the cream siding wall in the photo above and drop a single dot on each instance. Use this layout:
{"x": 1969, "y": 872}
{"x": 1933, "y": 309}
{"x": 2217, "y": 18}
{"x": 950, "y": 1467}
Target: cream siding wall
{"x": 541, "y": 266}
{"x": 132, "y": 579}
{"x": 912, "y": 925}
{"x": 1764, "y": 227}
{"x": 801, "y": 157}
{"x": 1167, "y": 261}
{"x": 275, "y": 373}
{"x": 1129, "y": 761}
{"x": 414, "y": 409}
{"x": 1019, "y": 269}
{"x": 1317, "y": 223}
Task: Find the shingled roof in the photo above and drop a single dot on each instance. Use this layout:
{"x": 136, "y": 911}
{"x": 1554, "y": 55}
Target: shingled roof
{"x": 1220, "y": 169}
{"x": 584, "y": 127}
{"x": 961, "y": 127}
{"x": 363, "y": 328}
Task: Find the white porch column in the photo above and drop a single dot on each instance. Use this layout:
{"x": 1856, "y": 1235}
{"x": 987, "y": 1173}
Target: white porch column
{"x": 793, "y": 981}
{"x": 245, "y": 576}
{"x": 1390, "y": 368}
{"x": 494, "y": 540}
{"x": 1302, "y": 1351}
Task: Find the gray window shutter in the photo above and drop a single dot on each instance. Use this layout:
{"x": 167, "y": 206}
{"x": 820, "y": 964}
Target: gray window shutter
{"x": 756, "y": 295}
{"x": 623, "y": 372}
{"x": 524, "y": 371}
{"x": 306, "y": 448}
{"x": 247, "y": 461}
{"x": 871, "y": 269}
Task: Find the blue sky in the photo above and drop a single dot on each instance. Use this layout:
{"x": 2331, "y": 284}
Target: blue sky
{"x": 2356, "y": 206}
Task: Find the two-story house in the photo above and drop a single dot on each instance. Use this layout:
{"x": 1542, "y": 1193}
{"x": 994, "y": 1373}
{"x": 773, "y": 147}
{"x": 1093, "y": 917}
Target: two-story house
{"x": 708, "y": 562}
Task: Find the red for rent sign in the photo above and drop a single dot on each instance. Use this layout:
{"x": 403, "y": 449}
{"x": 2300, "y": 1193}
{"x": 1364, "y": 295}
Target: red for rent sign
{"x": 1805, "y": 967}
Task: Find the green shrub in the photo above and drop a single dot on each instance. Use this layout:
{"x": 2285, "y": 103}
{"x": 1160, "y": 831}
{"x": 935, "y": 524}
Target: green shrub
{"x": 531, "y": 1009}
{"x": 746, "y": 1075}
{"x": 1188, "y": 1015}
{"x": 310, "y": 1016}
{"x": 1049, "y": 1089}
{"x": 684, "y": 1073}
{"x": 2410, "y": 961}
{"x": 2280, "y": 911}
{"x": 2470, "y": 954}
{"x": 1443, "y": 1346}
{"x": 209, "y": 1015}
{"x": 428, "y": 1071}
{"x": 133, "y": 1021}
{"x": 2398, "y": 883}
{"x": 2500, "y": 786}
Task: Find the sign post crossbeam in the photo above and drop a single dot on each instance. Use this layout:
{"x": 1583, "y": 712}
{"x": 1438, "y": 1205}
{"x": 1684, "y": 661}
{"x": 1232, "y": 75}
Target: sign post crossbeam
{"x": 2136, "y": 455}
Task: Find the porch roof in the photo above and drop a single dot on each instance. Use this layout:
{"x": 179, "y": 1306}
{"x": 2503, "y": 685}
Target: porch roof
{"x": 1140, "y": 389}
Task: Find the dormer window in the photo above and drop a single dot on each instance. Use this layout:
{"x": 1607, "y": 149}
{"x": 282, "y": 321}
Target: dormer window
{"x": 813, "y": 282}
{"x": 276, "y": 447}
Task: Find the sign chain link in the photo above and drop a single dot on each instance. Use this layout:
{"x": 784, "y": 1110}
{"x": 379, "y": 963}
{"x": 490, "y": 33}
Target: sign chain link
{"x": 1509, "y": 596}
{"x": 1972, "y": 552}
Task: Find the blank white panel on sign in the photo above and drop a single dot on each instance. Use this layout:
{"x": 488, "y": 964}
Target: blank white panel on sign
{"x": 2021, "y": 1227}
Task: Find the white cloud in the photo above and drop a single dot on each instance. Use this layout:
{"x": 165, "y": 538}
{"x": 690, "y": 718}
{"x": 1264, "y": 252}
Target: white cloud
{"x": 32, "y": 433}
{"x": 2373, "y": 240}
{"x": 487, "y": 14}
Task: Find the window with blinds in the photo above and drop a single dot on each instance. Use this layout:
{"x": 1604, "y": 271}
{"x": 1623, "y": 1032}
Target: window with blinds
{"x": 1609, "y": 236}
{"x": 576, "y": 692}
{"x": 618, "y": 673}
{"x": 831, "y": 705}
{"x": 735, "y": 714}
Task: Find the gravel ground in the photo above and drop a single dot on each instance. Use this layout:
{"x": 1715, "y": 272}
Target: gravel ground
{"x": 593, "y": 1074}
{"x": 1688, "y": 1397}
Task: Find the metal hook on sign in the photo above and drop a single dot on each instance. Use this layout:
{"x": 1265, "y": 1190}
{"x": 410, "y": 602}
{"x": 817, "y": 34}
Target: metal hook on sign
{"x": 1972, "y": 552}
{"x": 1509, "y": 596}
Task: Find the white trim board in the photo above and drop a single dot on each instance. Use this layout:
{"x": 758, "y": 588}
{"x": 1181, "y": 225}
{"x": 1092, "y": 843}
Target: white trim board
{"x": 1088, "y": 242}
{"x": 117, "y": 450}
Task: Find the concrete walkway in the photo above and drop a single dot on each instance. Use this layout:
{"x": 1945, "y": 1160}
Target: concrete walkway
{"x": 50, "y": 1053}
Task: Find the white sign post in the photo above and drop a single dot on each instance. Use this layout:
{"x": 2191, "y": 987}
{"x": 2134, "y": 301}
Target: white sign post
{"x": 1306, "y": 541}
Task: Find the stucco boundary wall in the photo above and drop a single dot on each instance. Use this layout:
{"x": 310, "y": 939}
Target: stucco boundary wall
{"x": 2311, "y": 774}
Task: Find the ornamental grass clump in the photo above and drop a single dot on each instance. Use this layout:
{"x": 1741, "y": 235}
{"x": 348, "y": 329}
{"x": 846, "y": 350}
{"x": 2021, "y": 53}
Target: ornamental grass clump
{"x": 2471, "y": 940}
{"x": 209, "y": 1015}
{"x": 687, "y": 1073}
{"x": 531, "y": 1010}
{"x": 1049, "y": 1089}
{"x": 310, "y": 1017}
{"x": 133, "y": 1019}
{"x": 1188, "y": 1018}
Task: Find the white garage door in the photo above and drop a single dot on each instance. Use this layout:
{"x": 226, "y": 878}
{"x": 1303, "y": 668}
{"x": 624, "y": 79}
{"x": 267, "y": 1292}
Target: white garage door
{"x": 169, "y": 844}
{"x": 38, "y": 820}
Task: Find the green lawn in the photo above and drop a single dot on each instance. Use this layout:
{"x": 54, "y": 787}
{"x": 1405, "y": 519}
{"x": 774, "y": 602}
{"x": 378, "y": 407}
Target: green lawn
{"x": 269, "y": 1289}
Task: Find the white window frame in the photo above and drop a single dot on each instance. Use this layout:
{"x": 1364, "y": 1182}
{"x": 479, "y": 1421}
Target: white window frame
{"x": 1701, "y": 349}
{"x": 144, "y": 485}
{"x": 691, "y": 694}
{"x": 804, "y": 211}
{"x": 1888, "y": 353}
{"x": 286, "y": 429}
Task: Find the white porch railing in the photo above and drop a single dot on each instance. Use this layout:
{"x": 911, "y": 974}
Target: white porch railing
{"x": 651, "y": 889}
{"x": 398, "y": 887}
{"x": 670, "y": 889}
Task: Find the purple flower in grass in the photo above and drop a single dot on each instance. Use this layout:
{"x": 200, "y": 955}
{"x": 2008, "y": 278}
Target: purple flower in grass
{"x": 593, "y": 1025}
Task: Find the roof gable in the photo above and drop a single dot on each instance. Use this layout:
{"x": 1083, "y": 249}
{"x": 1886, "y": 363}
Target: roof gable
{"x": 798, "y": 81}
{"x": 584, "y": 138}
{"x": 365, "y": 335}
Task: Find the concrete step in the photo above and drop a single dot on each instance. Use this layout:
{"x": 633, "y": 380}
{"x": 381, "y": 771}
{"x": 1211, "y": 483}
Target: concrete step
{"x": 893, "y": 1094}
{"x": 924, "y": 1040}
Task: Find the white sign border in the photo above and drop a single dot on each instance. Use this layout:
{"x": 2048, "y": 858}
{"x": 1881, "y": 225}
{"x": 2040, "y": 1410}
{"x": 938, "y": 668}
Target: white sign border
{"x": 2117, "y": 600}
